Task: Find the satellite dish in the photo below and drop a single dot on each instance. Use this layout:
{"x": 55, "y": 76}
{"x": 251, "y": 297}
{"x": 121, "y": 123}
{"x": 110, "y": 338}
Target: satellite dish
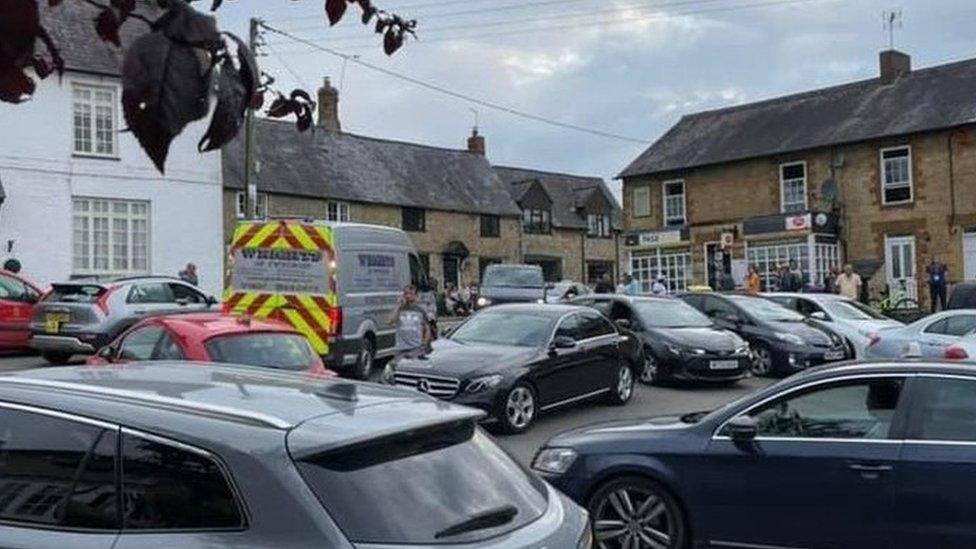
{"x": 829, "y": 191}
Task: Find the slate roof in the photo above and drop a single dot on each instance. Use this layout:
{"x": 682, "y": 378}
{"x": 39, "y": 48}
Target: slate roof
{"x": 923, "y": 100}
{"x": 568, "y": 192}
{"x": 345, "y": 166}
{"x": 72, "y": 27}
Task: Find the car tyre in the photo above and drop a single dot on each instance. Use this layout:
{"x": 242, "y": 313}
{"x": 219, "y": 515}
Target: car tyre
{"x": 636, "y": 512}
{"x": 56, "y": 357}
{"x": 518, "y": 409}
{"x": 365, "y": 360}
{"x": 762, "y": 360}
{"x": 623, "y": 386}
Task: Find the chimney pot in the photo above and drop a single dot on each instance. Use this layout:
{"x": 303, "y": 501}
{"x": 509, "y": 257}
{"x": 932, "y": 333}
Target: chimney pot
{"x": 893, "y": 64}
{"x": 329, "y": 107}
{"x": 476, "y": 143}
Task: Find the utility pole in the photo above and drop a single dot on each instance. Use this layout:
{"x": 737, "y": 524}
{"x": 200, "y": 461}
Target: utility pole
{"x": 250, "y": 174}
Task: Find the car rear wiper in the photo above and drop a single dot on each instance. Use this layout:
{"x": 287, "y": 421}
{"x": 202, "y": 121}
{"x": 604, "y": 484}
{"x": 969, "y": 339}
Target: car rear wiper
{"x": 481, "y": 521}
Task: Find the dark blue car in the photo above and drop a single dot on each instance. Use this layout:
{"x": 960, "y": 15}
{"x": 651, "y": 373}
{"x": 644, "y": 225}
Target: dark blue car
{"x": 850, "y": 455}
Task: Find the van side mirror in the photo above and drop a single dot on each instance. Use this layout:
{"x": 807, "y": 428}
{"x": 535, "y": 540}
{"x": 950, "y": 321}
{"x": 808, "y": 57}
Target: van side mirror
{"x": 742, "y": 428}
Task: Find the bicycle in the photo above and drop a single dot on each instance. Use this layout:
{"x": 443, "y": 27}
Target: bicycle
{"x": 893, "y": 300}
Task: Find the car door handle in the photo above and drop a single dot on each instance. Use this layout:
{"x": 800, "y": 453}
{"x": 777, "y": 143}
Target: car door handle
{"x": 869, "y": 472}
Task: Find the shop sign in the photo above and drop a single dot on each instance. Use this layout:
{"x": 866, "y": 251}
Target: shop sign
{"x": 798, "y": 222}
{"x": 658, "y": 238}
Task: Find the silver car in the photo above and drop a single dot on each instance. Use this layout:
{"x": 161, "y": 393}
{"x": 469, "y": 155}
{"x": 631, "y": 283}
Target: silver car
{"x": 928, "y": 337}
{"x": 853, "y": 320}
{"x": 80, "y": 317}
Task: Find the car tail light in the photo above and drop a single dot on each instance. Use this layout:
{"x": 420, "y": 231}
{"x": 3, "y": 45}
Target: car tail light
{"x": 873, "y": 339}
{"x": 335, "y": 320}
{"x": 955, "y": 353}
{"x": 102, "y": 301}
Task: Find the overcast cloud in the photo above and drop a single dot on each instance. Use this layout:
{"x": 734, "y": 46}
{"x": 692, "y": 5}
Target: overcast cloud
{"x": 632, "y": 67}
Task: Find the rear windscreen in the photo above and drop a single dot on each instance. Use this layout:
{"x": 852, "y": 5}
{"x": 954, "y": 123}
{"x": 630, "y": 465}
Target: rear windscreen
{"x": 422, "y": 487}
{"x": 75, "y": 293}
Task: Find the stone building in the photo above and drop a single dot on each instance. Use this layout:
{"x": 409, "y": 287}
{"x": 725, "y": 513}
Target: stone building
{"x": 570, "y": 223}
{"x": 458, "y": 210}
{"x": 880, "y": 172}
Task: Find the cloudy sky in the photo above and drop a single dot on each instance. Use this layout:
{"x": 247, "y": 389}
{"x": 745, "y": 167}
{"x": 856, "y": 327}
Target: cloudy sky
{"x": 626, "y": 67}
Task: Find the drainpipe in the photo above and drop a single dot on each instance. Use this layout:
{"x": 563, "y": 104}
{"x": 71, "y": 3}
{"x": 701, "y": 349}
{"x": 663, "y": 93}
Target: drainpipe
{"x": 583, "y": 257}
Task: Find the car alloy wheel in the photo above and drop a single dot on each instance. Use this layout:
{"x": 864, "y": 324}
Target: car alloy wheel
{"x": 624, "y": 387}
{"x": 519, "y": 408}
{"x": 762, "y": 360}
{"x": 648, "y": 373}
{"x": 636, "y": 513}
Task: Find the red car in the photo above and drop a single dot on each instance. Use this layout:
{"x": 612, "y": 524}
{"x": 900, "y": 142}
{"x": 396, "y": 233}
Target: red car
{"x": 214, "y": 337}
{"x": 17, "y": 298}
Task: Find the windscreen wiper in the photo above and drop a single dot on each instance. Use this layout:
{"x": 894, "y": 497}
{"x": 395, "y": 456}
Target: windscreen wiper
{"x": 481, "y": 521}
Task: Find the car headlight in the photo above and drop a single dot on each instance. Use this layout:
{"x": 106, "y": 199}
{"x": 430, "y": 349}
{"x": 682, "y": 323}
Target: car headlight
{"x": 540, "y": 301}
{"x": 483, "y": 383}
{"x": 679, "y": 350}
{"x": 586, "y": 539}
{"x": 554, "y": 460}
{"x": 483, "y": 302}
{"x": 790, "y": 338}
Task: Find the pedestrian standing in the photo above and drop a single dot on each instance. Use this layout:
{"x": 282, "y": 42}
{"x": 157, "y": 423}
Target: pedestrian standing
{"x": 189, "y": 274}
{"x": 789, "y": 281}
{"x": 937, "y": 273}
{"x": 752, "y": 282}
{"x": 605, "y": 285}
{"x": 830, "y": 281}
{"x": 849, "y": 283}
{"x": 413, "y": 334}
{"x": 659, "y": 287}
{"x": 632, "y": 286}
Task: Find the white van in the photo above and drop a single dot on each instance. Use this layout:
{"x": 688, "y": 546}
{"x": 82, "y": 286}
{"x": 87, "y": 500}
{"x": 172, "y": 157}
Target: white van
{"x": 337, "y": 283}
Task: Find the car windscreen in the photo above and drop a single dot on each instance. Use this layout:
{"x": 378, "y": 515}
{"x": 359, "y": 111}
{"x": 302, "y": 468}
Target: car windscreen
{"x": 766, "y": 310}
{"x": 519, "y": 329}
{"x": 670, "y": 314}
{"x": 514, "y": 277}
{"x": 425, "y": 487}
{"x": 851, "y": 310}
{"x": 75, "y": 293}
{"x": 271, "y": 350}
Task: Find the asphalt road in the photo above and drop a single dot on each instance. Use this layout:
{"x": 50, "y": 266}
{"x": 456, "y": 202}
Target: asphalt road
{"x": 646, "y": 402}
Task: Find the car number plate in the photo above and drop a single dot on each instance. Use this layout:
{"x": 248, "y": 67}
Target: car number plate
{"x": 724, "y": 365}
{"x": 52, "y": 322}
{"x": 834, "y": 355}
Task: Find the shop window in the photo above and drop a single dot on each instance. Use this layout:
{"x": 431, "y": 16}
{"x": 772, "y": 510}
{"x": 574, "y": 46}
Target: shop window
{"x": 674, "y": 265}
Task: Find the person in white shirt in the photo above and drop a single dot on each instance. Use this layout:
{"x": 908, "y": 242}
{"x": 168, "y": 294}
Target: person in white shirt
{"x": 659, "y": 287}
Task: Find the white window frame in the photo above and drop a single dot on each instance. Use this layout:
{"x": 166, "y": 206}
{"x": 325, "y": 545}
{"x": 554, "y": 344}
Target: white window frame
{"x": 240, "y": 204}
{"x": 111, "y": 215}
{"x": 645, "y": 205}
{"x": 341, "y": 207}
{"x": 92, "y": 130}
{"x": 598, "y": 225}
{"x": 664, "y": 203}
{"x": 782, "y": 187}
{"x": 646, "y": 266}
{"x": 884, "y": 184}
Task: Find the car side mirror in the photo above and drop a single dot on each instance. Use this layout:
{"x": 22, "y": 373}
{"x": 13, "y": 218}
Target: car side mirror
{"x": 183, "y": 301}
{"x": 819, "y": 315}
{"x": 446, "y": 332}
{"x": 742, "y": 428}
{"x": 729, "y": 317}
{"x": 563, "y": 342}
{"x": 107, "y": 353}
{"x": 211, "y": 301}
{"x": 624, "y": 324}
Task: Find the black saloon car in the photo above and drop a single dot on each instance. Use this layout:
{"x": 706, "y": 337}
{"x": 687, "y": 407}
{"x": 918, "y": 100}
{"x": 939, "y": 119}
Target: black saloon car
{"x": 514, "y": 361}
{"x": 873, "y": 455}
{"x": 679, "y": 342}
{"x": 164, "y": 455}
{"x": 782, "y": 341}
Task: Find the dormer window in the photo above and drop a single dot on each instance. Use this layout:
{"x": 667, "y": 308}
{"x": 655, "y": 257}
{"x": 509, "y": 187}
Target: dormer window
{"x": 598, "y": 225}
{"x": 535, "y": 221}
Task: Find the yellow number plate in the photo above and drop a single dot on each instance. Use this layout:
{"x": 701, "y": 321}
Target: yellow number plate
{"x": 52, "y": 324}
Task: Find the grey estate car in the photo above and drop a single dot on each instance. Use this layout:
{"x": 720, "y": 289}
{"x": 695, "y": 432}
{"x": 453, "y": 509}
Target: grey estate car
{"x": 198, "y": 455}
{"x": 80, "y": 317}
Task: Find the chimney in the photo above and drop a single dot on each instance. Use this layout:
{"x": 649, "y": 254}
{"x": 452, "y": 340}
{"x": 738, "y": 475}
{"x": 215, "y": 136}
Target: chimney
{"x": 329, "y": 107}
{"x": 476, "y": 143}
{"x": 894, "y": 64}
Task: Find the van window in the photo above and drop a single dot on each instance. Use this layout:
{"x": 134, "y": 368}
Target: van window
{"x": 56, "y": 472}
{"x": 375, "y": 272}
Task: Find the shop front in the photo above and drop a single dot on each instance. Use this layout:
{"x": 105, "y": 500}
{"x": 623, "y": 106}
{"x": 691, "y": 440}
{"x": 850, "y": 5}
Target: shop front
{"x": 808, "y": 243}
{"x": 665, "y": 253}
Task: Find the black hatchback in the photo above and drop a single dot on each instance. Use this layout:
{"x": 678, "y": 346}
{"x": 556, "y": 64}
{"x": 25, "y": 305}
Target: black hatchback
{"x": 782, "y": 341}
{"x": 679, "y": 342}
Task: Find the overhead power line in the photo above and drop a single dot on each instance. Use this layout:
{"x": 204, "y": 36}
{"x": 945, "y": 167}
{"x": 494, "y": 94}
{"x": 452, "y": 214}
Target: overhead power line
{"x": 590, "y": 24}
{"x": 454, "y": 94}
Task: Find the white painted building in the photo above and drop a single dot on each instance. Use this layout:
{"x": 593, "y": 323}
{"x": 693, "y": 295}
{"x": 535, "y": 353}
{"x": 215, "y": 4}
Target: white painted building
{"x": 82, "y": 198}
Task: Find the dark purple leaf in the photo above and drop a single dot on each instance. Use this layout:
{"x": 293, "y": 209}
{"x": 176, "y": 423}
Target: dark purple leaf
{"x": 392, "y": 41}
{"x": 257, "y": 101}
{"x": 281, "y": 107}
{"x": 250, "y": 74}
{"x": 107, "y": 26}
{"x": 185, "y": 25}
{"x": 216, "y": 5}
{"x": 54, "y": 3}
{"x": 124, "y": 7}
{"x": 15, "y": 86}
{"x": 335, "y": 9}
{"x": 232, "y": 101}
{"x": 301, "y": 94}
{"x": 165, "y": 86}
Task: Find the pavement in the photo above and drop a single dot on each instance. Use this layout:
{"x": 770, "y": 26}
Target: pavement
{"x": 647, "y": 401}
